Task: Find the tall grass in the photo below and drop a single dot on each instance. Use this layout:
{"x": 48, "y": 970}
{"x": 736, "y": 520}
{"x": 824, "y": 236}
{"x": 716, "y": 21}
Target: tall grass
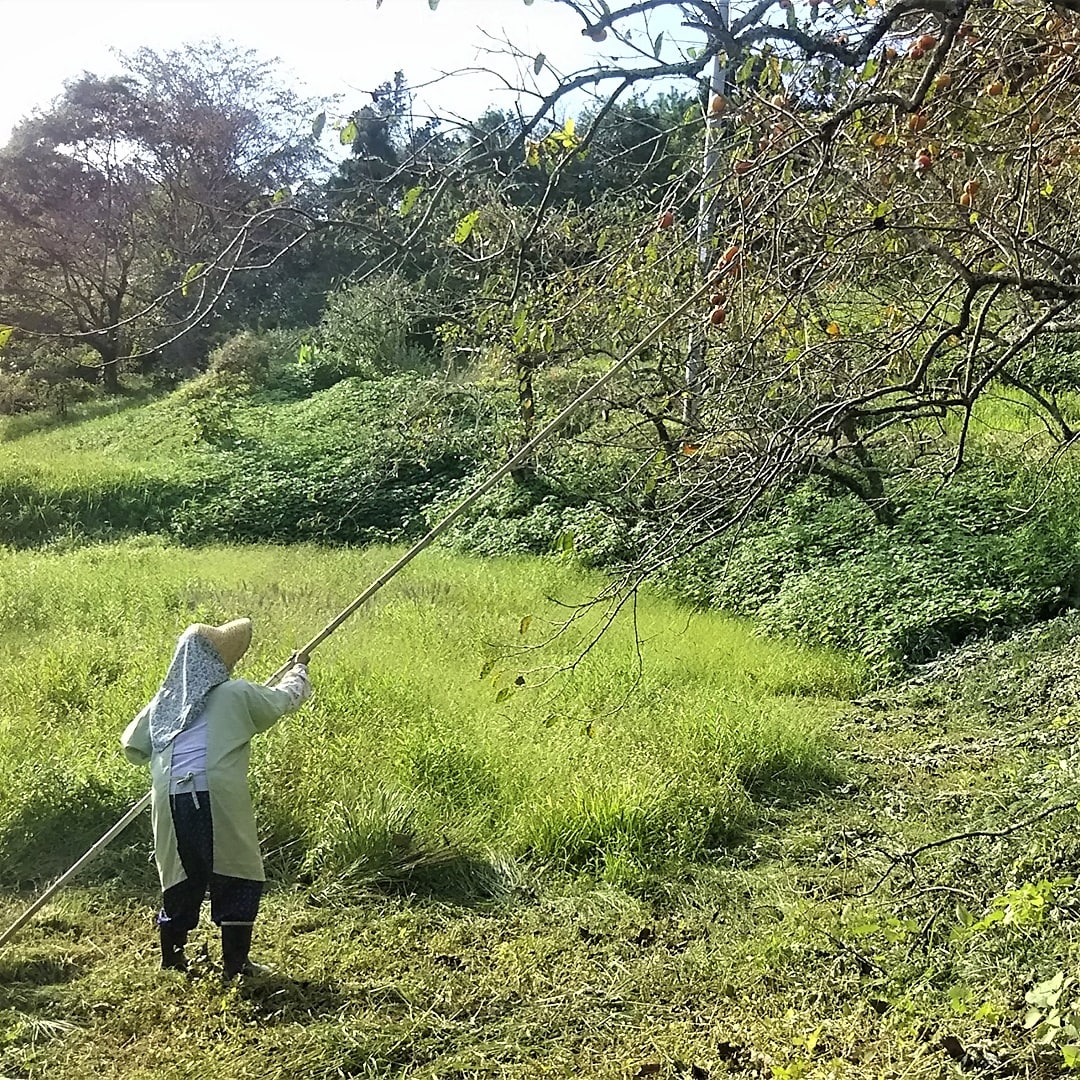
{"x": 446, "y": 723}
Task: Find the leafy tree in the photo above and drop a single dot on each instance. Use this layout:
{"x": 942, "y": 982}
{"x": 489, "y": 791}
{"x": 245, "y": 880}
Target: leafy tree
{"x": 73, "y": 204}
{"x": 888, "y": 230}
{"x": 129, "y": 203}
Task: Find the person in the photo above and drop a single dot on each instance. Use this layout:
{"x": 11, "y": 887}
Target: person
{"x": 195, "y": 734}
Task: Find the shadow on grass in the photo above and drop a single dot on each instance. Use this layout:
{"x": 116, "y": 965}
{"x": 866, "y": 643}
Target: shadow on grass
{"x": 61, "y": 817}
{"x": 282, "y": 1000}
{"x": 39, "y": 971}
{"x": 785, "y": 783}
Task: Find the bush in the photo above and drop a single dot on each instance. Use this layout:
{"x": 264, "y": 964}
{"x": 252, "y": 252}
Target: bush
{"x": 367, "y": 331}
{"x": 960, "y": 562}
{"x": 241, "y": 361}
{"x": 254, "y": 496}
{"x": 40, "y": 378}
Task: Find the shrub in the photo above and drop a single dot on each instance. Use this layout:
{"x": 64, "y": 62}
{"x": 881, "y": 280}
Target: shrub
{"x": 368, "y": 330}
{"x": 960, "y": 562}
{"x": 241, "y": 361}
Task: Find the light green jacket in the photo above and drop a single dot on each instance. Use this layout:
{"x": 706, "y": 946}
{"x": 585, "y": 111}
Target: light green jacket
{"x": 234, "y": 711}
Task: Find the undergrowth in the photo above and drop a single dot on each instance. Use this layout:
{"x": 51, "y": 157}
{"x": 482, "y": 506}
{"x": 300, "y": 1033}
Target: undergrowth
{"x": 243, "y": 456}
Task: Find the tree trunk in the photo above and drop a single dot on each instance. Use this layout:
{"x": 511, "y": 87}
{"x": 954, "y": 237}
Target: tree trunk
{"x": 107, "y": 347}
{"x": 527, "y": 410}
{"x": 706, "y": 227}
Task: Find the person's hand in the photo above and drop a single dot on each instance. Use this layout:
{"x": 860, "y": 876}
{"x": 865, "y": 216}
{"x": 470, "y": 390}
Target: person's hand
{"x": 300, "y": 657}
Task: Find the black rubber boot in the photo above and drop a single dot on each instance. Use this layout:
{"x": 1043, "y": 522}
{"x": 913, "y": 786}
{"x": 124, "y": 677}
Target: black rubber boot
{"x": 235, "y": 947}
{"x": 172, "y": 948}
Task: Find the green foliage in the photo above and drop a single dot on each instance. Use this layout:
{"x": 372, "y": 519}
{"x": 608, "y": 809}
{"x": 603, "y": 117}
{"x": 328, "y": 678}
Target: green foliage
{"x": 537, "y": 518}
{"x": 961, "y": 561}
{"x": 43, "y": 378}
{"x": 34, "y": 514}
{"x": 242, "y": 362}
{"x": 253, "y": 496}
{"x": 357, "y": 463}
{"x": 368, "y": 330}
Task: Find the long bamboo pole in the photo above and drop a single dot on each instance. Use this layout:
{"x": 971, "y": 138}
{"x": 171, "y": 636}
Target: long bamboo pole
{"x": 437, "y": 530}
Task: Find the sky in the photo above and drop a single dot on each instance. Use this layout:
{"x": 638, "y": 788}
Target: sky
{"x": 330, "y": 47}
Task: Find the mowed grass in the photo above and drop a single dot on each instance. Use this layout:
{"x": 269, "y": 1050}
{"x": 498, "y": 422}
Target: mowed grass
{"x": 457, "y": 724}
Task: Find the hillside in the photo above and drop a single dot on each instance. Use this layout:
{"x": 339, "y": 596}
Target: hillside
{"x": 883, "y": 883}
{"x": 808, "y": 866}
{"x": 364, "y": 461}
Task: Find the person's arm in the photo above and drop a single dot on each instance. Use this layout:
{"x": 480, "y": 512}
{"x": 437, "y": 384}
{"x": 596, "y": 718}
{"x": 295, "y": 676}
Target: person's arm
{"x": 267, "y": 704}
{"x": 136, "y": 739}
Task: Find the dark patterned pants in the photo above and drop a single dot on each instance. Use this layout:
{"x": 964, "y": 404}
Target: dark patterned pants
{"x": 232, "y": 900}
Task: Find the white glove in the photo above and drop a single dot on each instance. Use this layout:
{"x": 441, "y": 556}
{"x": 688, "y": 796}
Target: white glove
{"x": 297, "y": 685}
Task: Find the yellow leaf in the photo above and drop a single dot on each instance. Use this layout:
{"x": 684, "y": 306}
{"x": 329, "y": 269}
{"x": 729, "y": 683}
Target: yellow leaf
{"x": 833, "y": 329}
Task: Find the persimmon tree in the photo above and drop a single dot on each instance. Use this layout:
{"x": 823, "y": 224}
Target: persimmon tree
{"x": 892, "y": 224}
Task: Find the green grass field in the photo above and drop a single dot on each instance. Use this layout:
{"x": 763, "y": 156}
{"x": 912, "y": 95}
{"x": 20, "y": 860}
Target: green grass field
{"x": 497, "y": 849}
{"x": 475, "y": 878}
{"x": 447, "y": 718}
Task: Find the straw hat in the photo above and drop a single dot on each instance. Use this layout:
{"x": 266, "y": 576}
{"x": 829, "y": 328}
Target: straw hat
{"x": 231, "y": 639}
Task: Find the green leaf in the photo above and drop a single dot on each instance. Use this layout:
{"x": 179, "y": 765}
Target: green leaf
{"x": 465, "y": 227}
{"x": 742, "y": 76}
{"x": 348, "y": 133}
{"x": 192, "y": 272}
{"x": 317, "y": 125}
{"x": 487, "y": 667}
{"x": 1070, "y": 1055}
{"x": 409, "y": 201}
{"x": 5, "y": 334}
{"x": 433, "y": 4}
{"x": 658, "y": 462}
{"x": 283, "y": 194}
{"x": 523, "y": 628}
{"x": 505, "y": 692}
{"x": 538, "y": 63}
{"x": 657, "y": 43}
{"x": 1046, "y": 994}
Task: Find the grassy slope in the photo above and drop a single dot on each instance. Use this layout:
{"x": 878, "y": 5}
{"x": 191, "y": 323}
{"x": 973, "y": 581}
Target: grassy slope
{"x": 130, "y": 439}
{"x": 780, "y": 952}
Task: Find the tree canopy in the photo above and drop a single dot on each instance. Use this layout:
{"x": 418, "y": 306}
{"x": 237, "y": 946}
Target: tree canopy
{"x": 847, "y": 219}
